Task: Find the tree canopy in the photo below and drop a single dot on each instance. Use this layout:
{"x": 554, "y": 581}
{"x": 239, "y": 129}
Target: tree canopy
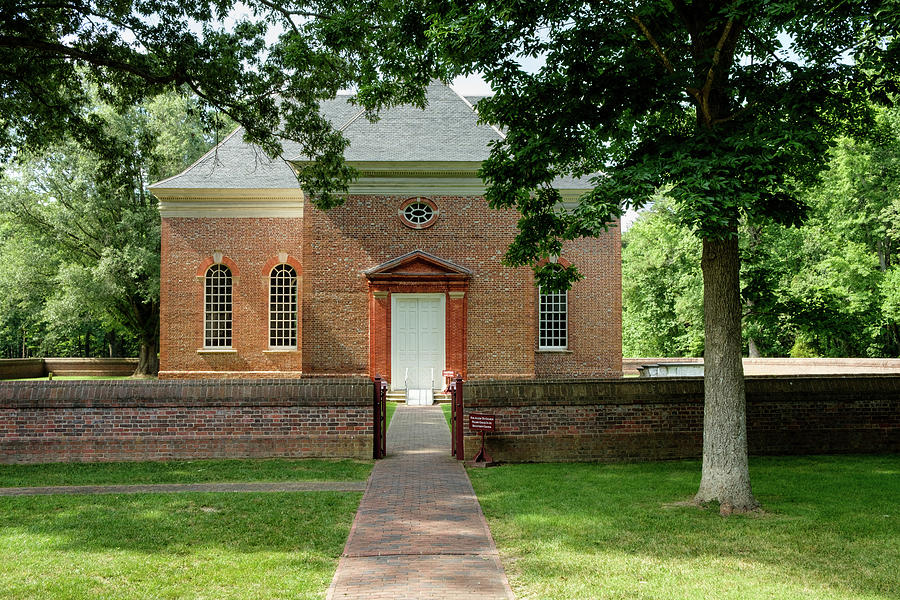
{"x": 729, "y": 106}
{"x": 82, "y": 233}
{"x": 265, "y": 64}
{"x": 826, "y": 288}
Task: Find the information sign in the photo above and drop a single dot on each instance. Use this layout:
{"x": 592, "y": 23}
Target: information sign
{"x": 482, "y": 422}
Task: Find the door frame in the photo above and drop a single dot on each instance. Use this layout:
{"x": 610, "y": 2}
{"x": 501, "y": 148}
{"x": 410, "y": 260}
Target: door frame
{"x": 397, "y": 378}
{"x": 418, "y": 272}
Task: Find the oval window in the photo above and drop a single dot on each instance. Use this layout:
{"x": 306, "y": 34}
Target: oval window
{"x": 418, "y": 213}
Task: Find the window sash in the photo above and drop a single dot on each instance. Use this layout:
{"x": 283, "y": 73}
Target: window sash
{"x": 553, "y": 323}
{"x": 283, "y": 307}
{"x": 217, "y": 313}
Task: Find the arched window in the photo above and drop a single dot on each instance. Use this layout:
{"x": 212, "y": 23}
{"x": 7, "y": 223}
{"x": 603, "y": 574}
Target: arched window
{"x": 217, "y": 307}
{"x": 553, "y": 326}
{"x": 283, "y": 307}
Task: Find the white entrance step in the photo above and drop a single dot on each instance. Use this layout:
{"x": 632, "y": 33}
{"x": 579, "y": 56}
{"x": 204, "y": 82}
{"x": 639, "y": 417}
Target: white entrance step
{"x": 420, "y": 397}
{"x": 400, "y": 396}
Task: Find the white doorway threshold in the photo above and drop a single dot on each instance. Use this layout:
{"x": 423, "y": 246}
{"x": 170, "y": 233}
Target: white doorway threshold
{"x": 420, "y": 397}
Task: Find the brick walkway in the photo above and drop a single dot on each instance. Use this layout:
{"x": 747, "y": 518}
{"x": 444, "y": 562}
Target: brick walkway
{"x": 168, "y": 488}
{"x": 419, "y": 533}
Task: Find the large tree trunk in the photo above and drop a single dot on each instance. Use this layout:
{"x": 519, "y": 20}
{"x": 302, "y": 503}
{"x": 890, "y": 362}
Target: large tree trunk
{"x": 726, "y": 476}
{"x": 148, "y": 359}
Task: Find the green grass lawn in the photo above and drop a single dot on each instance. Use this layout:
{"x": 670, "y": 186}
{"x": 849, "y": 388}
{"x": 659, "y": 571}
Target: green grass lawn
{"x": 830, "y": 530}
{"x": 149, "y": 546}
{"x": 446, "y": 408}
{"x": 189, "y": 545}
{"x": 390, "y": 409}
{"x": 196, "y": 471}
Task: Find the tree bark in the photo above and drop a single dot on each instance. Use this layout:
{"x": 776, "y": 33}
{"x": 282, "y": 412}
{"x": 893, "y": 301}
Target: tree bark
{"x": 726, "y": 476}
{"x": 115, "y": 345}
{"x": 148, "y": 359}
{"x": 752, "y": 349}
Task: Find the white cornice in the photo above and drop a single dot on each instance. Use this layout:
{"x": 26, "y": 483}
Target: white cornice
{"x": 230, "y": 202}
{"x": 388, "y": 179}
{"x": 417, "y": 186}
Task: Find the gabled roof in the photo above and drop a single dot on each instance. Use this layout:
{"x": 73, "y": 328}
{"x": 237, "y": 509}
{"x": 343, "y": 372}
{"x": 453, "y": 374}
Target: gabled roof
{"x": 418, "y": 264}
{"x": 443, "y": 134}
{"x": 233, "y": 164}
{"x": 447, "y": 130}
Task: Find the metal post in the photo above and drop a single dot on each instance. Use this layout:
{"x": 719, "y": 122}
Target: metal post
{"x": 452, "y": 388}
{"x": 384, "y": 389}
{"x": 458, "y": 432}
{"x": 376, "y": 418}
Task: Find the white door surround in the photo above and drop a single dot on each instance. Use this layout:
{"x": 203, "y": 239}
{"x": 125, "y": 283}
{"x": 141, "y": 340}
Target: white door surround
{"x": 418, "y": 332}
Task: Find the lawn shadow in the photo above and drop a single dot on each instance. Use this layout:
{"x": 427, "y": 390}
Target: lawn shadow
{"x": 831, "y": 524}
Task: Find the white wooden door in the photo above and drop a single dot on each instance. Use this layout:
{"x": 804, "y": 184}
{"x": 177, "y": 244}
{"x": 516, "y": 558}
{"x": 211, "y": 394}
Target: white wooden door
{"x": 417, "y": 341}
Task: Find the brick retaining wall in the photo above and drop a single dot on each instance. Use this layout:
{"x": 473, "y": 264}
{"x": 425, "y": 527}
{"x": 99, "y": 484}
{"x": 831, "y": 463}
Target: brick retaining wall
{"x": 97, "y": 421}
{"x": 639, "y": 419}
{"x": 612, "y": 420}
{"x": 786, "y": 366}
{"x": 23, "y": 368}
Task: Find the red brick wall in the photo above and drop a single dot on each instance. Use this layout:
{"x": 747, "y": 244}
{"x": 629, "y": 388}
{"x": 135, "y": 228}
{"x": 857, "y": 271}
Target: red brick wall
{"x": 22, "y": 368}
{"x": 595, "y": 313}
{"x": 75, "y": 421}
{"x": 654, "y": 419}
{"x": 252, "y": 244}
{"x": 501, "y": 302}
{"x": 335, "y": 248}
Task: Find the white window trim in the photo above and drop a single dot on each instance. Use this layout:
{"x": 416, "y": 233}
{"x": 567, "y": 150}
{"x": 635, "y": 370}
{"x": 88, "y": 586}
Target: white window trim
{"x": 560, "y": 348}
{"x": 207, "y": 349}
{"x": 285, "y": 348}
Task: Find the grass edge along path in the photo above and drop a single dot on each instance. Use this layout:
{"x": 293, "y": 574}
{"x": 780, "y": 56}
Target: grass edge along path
{"x": 191, "y": 471}
{"x": 390, "y": 409}
{"x": 830, "y": 530}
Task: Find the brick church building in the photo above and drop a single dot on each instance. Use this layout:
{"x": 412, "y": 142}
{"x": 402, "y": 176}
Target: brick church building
{"x": 404, "y": 279}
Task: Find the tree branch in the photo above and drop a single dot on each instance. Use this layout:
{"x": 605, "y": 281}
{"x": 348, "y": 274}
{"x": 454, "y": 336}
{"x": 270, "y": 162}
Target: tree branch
{"x": 659, "y": 51}
{"x": 695, "y": 93}
{"x": 717, "y": 55}
{"x": 711, "y": 73}
{"x": 56, "y": 49}
{"x": 296, "y": 13}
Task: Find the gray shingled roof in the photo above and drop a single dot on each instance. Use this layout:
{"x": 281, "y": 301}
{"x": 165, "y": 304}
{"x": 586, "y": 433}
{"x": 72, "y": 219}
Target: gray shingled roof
{"x": 233, "y": 164}
{"x": 447, "y": 130}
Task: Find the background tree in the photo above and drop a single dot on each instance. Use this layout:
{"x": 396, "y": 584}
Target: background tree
{"x": 662, "y": 287}
{"x": 854, "y": 226}
{"x": 827, "y": 288}
{"x": 266, "y": 64}
{"x": 26, "y": 273}
{"x": 730, "y": 104}
{"x": 91, "y": 229}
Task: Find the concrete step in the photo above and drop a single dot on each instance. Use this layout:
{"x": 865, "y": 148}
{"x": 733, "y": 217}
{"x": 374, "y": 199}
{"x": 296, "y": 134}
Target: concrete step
{"x": 400, "y": 396}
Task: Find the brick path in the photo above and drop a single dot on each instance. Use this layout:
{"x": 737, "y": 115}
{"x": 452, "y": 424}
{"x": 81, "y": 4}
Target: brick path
{"x": 419, "y": 533}
{"x": 167, "y": 488}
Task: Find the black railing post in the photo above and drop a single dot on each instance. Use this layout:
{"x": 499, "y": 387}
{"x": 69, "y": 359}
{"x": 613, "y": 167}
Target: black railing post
{"x": 453, "y": 425}
{"x": 458, "y": 416}
{"x": 384, "y": 389}
{"x": 379, "y": 418}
